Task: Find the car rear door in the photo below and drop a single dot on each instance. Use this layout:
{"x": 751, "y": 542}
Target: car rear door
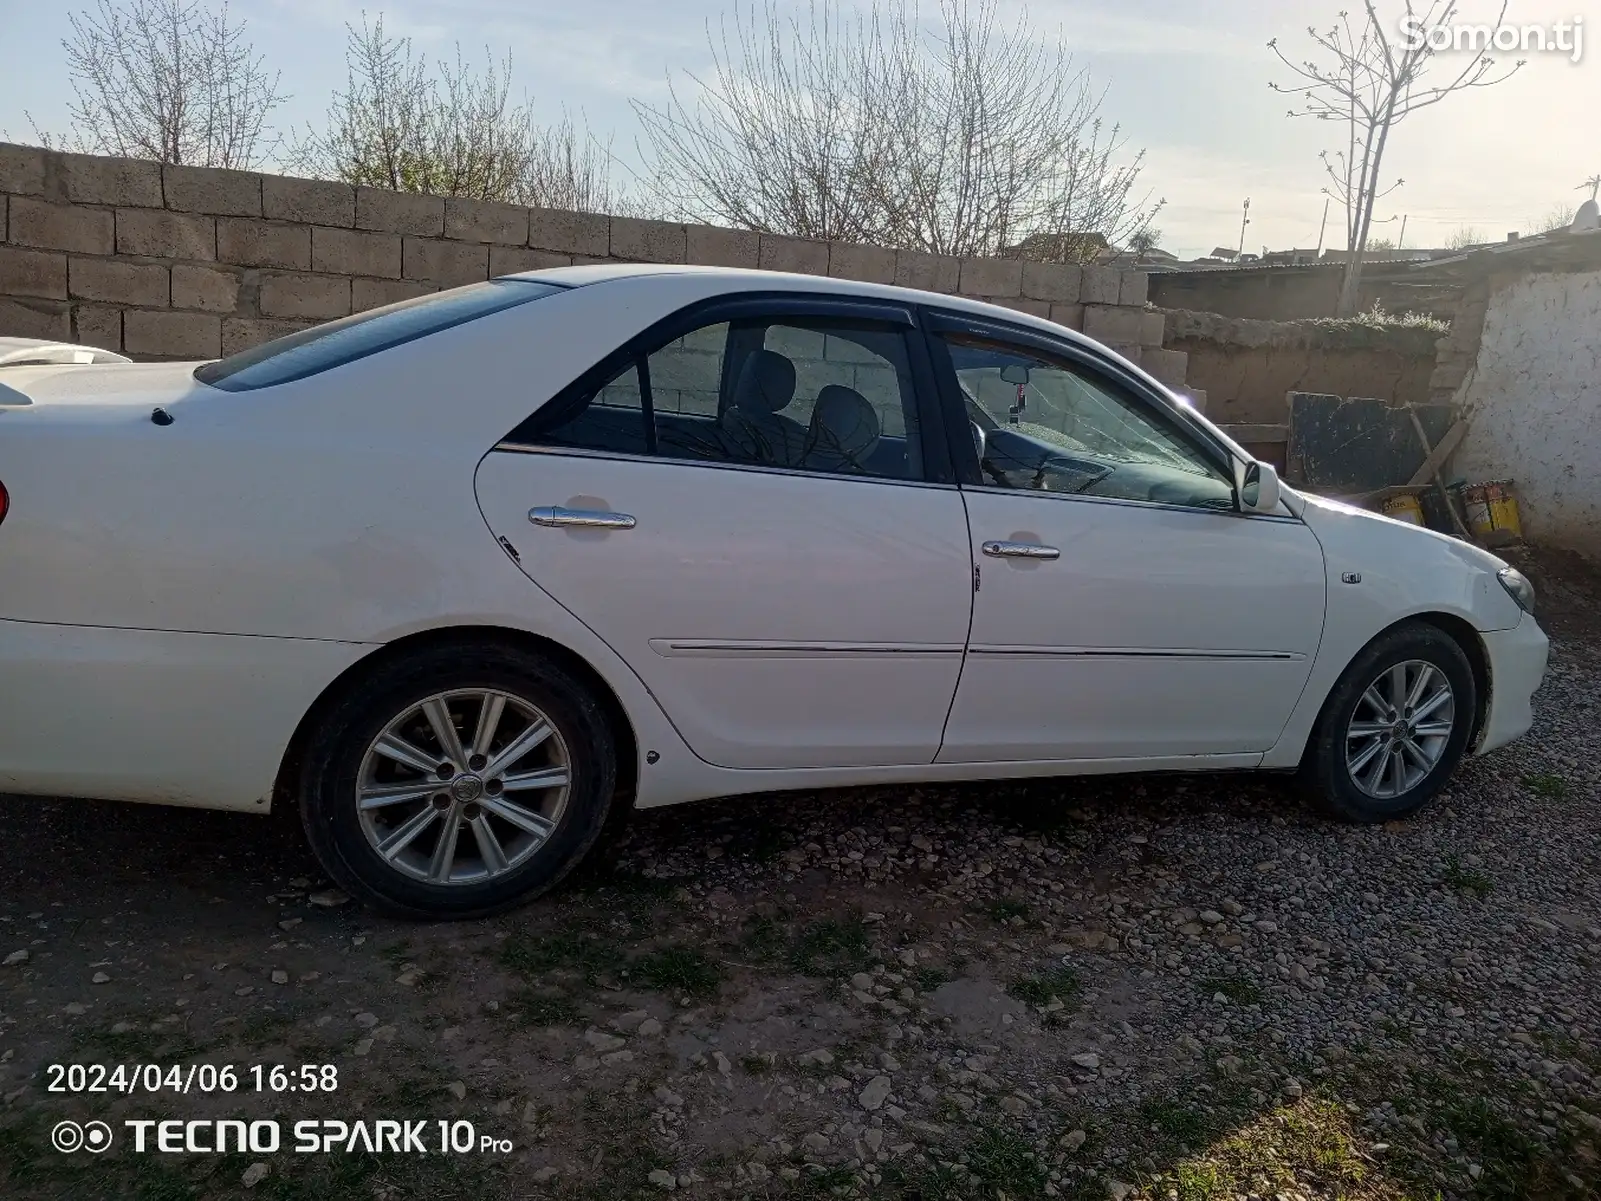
{"x": 1125, "y": 609}
{"x": 753, "y": 504}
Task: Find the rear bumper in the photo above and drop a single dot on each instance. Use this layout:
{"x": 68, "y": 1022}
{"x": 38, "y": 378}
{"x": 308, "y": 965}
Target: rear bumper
{"x": 1517, "y": 667}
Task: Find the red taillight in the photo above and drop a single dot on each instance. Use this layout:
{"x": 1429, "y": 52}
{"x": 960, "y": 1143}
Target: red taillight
{"x": 5, "y": 502}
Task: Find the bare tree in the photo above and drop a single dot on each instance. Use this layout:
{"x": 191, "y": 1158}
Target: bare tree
{"x": 1465, "y": 237}
{"x": 450, "y": 131}
{"x": 1370, "y": 82}
{"x": 964, "y": 138}
{"x": 170, "y": 80}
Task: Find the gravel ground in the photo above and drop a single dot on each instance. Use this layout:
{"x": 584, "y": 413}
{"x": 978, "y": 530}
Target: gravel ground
{"x": 1179, "y": 988}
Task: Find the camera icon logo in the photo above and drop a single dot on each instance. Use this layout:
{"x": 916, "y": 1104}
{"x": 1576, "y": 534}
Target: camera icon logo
{"x": 93, "y": 1137}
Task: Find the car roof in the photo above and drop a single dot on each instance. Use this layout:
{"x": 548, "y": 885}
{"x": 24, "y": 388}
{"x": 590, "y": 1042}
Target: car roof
{"x": 741, "y": 279}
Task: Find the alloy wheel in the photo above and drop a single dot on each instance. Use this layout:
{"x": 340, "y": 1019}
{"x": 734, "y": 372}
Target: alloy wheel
{"x": 1400, "y": 729}
{"x": 463, "y": 786}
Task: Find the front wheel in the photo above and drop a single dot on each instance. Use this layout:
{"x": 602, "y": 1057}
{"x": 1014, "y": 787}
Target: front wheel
{"x": 457, "y": 782}
{"x": 1395, "y": 726}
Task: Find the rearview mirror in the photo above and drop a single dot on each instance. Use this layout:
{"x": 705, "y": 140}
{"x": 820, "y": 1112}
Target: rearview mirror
{"x": 1259, "y": 488}
{"x": 1015, "y": 373}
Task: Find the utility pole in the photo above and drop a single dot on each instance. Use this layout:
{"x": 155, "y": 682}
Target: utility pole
{"x": 1245, "y": 219}
{"x": 1401, "y": 241}
{"x": 1322, "y": 229}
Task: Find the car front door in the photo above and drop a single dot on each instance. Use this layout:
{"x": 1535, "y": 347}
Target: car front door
{"x": 1125, "y": 608}
{"x": 754, "y": 506}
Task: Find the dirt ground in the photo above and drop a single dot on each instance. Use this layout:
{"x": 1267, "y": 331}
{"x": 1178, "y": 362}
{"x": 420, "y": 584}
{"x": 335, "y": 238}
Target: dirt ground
{"x": 1178, "y": 988}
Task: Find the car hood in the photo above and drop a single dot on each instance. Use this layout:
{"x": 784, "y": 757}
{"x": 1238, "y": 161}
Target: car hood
{"x": 1322, "y": 514}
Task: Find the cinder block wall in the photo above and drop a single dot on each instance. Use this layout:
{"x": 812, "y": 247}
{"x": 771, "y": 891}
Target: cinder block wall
{"x": 191, "y": 262}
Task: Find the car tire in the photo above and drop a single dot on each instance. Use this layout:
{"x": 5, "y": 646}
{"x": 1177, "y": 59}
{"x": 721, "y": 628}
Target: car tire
{"x": 501, "y": 818}
{"x": 1374, "y": 757}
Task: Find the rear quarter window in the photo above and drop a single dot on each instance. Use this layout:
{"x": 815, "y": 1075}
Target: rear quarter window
{"x": 324, "y": 347}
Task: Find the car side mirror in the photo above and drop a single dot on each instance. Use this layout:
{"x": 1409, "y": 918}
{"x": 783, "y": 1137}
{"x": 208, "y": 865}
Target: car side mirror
{"x": 980, "y": 440}
{"x": 1259, "y": 488}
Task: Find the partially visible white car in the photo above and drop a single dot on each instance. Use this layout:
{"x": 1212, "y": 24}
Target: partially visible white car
{"x": 466, "y": 574}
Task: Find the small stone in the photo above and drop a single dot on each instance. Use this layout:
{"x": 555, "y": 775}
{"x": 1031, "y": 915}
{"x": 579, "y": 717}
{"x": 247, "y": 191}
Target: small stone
{"x": 1292, "y": 1087}
{"x": 100, "y": 978}
{"x": 862, "y": 982}
{"x": 757, "y": 1170}
{"x": 369, "y": 1020}
{"x": 1073, "y": 1140}
{"x": 1089, "y": 1060}
{"x": 1118, "y": 1189}
{"x": 603, "y": 1042}
{"x": 627, "y": 1023}
{"x": 457, "y": 1090}
{"x": 279, "y": 976}
{"x": 255, "y": 1174}
{"x": 289, "y": 923}
{"x": 245, "y": 991}
{"x": 815, "y": 1141}
{"x": 545, "y": 1175}
{"x": 1211, "y": 917}
{"x": 820, "y": 1057}
{"x": 662, "y": 1179}
{"x": 649, "y": 1028}
{"x": 586, "y": 1063}
{"x": 408, "y": 977}
{"x": 668, "y": 1097}
{"x": 616, "y": 1057}
{"x": 1233, "y": 908}
{"x": 329, "y": 898}
{"x": 1475, "y": 1171}
{"x": 1267, "y": 927}
{"x": 15, "y": 958}
{"x": 363, "y": 1046}
{"x": 875, "y": 1094}
{"x": 1015, "y": 1106}
{"x": 76, "y": 1008}
{"x": 723, "y": 1065}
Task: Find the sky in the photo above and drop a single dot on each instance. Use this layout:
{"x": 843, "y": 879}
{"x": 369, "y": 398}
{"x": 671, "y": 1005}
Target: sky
{"x": 1186, "y": 81}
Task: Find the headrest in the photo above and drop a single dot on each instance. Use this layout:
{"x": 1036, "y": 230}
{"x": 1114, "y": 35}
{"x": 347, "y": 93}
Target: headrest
{"x": 766, "y": 383}
{"x": 846, "y": 422}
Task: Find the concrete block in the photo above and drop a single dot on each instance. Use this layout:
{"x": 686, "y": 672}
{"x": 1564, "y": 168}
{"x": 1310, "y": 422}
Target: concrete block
{"x": 316, "y": 201}
{"x": 447, "y": 264}
{"x": 1153, "y": 325}
{"x": 568, "y": 232}
{"x": 168, "y": 334}
{"x": 1022, "y": 304}
{"x": 648, "y": 241}
{"x": 1168, "y": 366}
{"x": 509, "y": 260}
{"x": 992, "y": 277}
{"x": 32, "y": 273}
{"x": 1135, "y": 288}
{"x": 95, "y": 179}
{"x": 117, "y": 282}
{"x": 97, "y": 325}
{"x": 485, "y": 221}
{"x": 166, "y": 235}
{"x": 870, "y": 264}
{"x": 1197, "y": 397}
{"x": 1058, "y": 282}
{"x": 1070, "y": 315}
{"x": 212, "y": 190}
{"x": 928, "y": 272}
{"x": 241, "y": 333}
{"x": 400, "y": 212}
{"x": 210, "y": 288}
{"x": 35, "y": 319}
{"x": 60, "y": 226}
{"x": 1449, "y": 376}
{"x": 375, "y": 293}
{"x": 709, "y": 246}
{"x": 22, "y": 169}
{"x": 1132, "y": 351}
{"x": 263, "y": 243}
{"x": 355, "y": 252}
{"x": 801, "y": 255}
{"x": 1112, "y": 324}
{"x": 311, "y": 296}
{"x": 1100, "y": 285}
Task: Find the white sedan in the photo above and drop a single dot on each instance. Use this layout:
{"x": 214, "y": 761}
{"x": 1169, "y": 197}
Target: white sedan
{"x": 466, "y": 576}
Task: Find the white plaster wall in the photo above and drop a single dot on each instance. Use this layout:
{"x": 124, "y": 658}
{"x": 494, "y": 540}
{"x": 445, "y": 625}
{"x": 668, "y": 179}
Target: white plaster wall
{"x": 1534, "y": 402}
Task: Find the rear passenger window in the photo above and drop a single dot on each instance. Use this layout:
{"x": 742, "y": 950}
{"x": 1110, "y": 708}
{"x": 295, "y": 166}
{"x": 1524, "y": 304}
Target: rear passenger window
{"x": 832, "y": 396}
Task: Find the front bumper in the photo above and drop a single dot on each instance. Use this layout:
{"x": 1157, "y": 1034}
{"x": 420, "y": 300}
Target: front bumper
{"x": 1517, "y": 667}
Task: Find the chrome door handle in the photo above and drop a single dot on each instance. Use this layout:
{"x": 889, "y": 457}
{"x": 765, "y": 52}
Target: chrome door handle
{"x": 584, "y": 519}
{"x": 1021, "y": 550}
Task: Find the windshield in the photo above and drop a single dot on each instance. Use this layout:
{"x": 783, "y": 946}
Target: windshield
{"x": 323, "y": 347}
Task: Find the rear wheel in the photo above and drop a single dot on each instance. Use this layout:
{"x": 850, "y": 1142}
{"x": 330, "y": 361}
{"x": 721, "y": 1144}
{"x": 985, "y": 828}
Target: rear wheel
{"x": 458, "y": 782}
{"x": 1395, "y": 726}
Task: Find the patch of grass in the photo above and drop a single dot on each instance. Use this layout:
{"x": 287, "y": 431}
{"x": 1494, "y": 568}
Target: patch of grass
{"x": 1057, "y": 983}
{"x": 763, "y": 938}
{"x": 396, "y": 952}
{"x": 755, "y": 1065}
{"x": 545, "y": 1009}
{"x": 831, "y": 947}
{"x": 1547, "y": 785}
{"x": 1465, "y": 880}
{"x": 1175, "y": 1119}
{"x": 1236, "y": 988}
{"x": 681, "y": 970}
{"x": 926, "y": 978}
{"x": 1005, "y": 1161}
{"x": 574, "y": 951}
{"x": 1506, "y": 1153}
{"x": 1199, "y": 1182}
